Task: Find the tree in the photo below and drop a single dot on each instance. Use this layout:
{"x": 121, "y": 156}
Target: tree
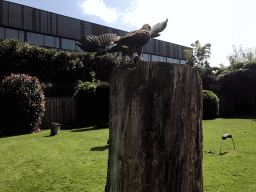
{"x": 201, "y": 53}
{"x": 189, "y": 57}
{"x": 241, "y": 55}
{"x": 198, "y": 58}
{"x": 208, "y": 76}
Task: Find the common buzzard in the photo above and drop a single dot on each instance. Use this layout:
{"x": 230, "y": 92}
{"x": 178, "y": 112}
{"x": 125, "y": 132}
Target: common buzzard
{"x": 130, "y": 43}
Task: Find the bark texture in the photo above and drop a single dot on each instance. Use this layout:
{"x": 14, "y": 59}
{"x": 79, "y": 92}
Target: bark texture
{"x": 156, "y": 138}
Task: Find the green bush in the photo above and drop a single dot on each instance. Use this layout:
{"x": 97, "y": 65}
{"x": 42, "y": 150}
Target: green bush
{"x": 210, "y": 105}
{"x": 51, "y": 66}
{"x": 102, "y": 103}
{"x": 22, "y": 104}
{"x": 237, "y": 93}
{"x": 92, "y": 102}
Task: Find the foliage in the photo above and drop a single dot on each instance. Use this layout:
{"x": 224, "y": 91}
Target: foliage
{"x": 47, "y": 88}
{"x": 198, "y": 58}
{"x": 201, "y": 54}
{"x": 210, "y": 105}
{"x": 94, "y": 97}
{"x": 251, "y": 65}
{"x": 241, "y": 55}
{"x": 87, "y": 86}
{"x": 189, "y": 57}
{"x": 102, "y": 103}
{"x": 208, "y": 77}
{"x": 222, "y": 71}
{"x": 237, "y": 92}
{"x": 22, "y": 104}
{"x": 62, "y": 69}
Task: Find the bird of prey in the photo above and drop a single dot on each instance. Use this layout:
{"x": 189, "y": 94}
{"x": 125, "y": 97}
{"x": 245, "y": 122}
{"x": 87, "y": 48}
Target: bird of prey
{"x": 130, "y": 43}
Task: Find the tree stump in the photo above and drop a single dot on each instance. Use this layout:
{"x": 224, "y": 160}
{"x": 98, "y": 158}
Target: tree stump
{"x": 156, "y": 138}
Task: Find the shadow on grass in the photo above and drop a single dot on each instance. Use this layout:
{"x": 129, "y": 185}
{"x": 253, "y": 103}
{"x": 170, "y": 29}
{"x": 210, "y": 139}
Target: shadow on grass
{"x": 239, "y": 117}
{"x": 99, "y": 148}
{"x": 89, "y": 129}
{"x": 13, "y": 134}
{"x": 224, "y": 153}
{"x": 50, "y": 135}
{"x": 210, "y": 152}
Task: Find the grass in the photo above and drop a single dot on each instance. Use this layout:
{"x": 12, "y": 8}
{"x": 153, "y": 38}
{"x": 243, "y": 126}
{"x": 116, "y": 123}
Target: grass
{"x": 234, "y": 171}
{"x": 76, "y": 160}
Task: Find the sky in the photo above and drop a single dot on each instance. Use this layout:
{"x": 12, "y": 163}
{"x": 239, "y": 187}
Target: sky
{"x": 222, "y": 23}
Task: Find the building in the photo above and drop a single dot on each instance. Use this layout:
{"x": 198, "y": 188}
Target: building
{"x": 51, "y": 30}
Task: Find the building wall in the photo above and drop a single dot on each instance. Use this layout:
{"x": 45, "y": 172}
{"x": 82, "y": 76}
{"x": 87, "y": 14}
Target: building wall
{"x": 52, "y": 30}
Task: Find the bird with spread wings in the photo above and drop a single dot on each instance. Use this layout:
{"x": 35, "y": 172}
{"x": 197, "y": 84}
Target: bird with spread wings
{"x": 129, "y": 44}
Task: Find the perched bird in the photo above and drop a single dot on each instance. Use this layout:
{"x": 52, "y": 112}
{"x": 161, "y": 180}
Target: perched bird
{"x": 130, "y": 43}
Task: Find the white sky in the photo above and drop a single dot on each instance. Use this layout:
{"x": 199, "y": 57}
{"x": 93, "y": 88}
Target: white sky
{"x": 222, "y": 23}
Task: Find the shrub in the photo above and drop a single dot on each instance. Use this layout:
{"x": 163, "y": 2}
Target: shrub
{"x": 210, "y": 105}
{"x": 23, "y": 104}
{"x": 92, "y": 101}
{"x": 102, "y": 103}
{"x": 237, "y": 92}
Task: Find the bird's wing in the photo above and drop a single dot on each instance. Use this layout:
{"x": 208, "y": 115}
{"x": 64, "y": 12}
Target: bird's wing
{"x": 87, "y": 46}
{"x": 159, "y": 27}
{"x": 92, "y": 43}
{"x": 112, "y": 49}
{"x": 135, "y": 38}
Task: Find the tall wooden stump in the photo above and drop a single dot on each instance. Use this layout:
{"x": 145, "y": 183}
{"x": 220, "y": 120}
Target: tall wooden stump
{"x": 156, "y": 139}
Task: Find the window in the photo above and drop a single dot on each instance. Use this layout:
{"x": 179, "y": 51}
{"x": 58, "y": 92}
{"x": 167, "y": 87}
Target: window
{"x": 162, "y": 59}
{"x": 121, "y": 33}
{"x": 146, "y": 57}
{"x": 57, "y": 42}
{"x": 155, "y": 58}
{"x": 78, "y": 48}
{"x": 34, "y": 38}
{"x": 49, "y": 41}
{"x": 2, "y": 33}
{"x": 11, "y": 33}
{"x": 21, "y": 36}
{"x": 68, "y": 44}
{"x": 182, "y": 62}
{"x": 170, "y": 60}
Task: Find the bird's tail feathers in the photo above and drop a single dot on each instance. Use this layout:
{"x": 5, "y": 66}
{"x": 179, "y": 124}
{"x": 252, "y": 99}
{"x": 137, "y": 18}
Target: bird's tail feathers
{"x": 159, "y": 27}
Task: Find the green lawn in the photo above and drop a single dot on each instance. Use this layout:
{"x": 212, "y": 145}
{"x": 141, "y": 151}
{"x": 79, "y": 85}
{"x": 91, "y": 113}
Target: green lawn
{"x": 76, "y": 160}
{"x": 236, "y": 170}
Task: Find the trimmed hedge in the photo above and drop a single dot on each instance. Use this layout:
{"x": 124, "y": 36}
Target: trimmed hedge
{"x": 22, "y": 104}
{"x": 210, "y": 105}
{"x": 237, "y": 93}
{"x": 61, "y": 69}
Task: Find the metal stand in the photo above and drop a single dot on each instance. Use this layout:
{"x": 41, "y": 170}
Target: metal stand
{"x": 224, "y": 137}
